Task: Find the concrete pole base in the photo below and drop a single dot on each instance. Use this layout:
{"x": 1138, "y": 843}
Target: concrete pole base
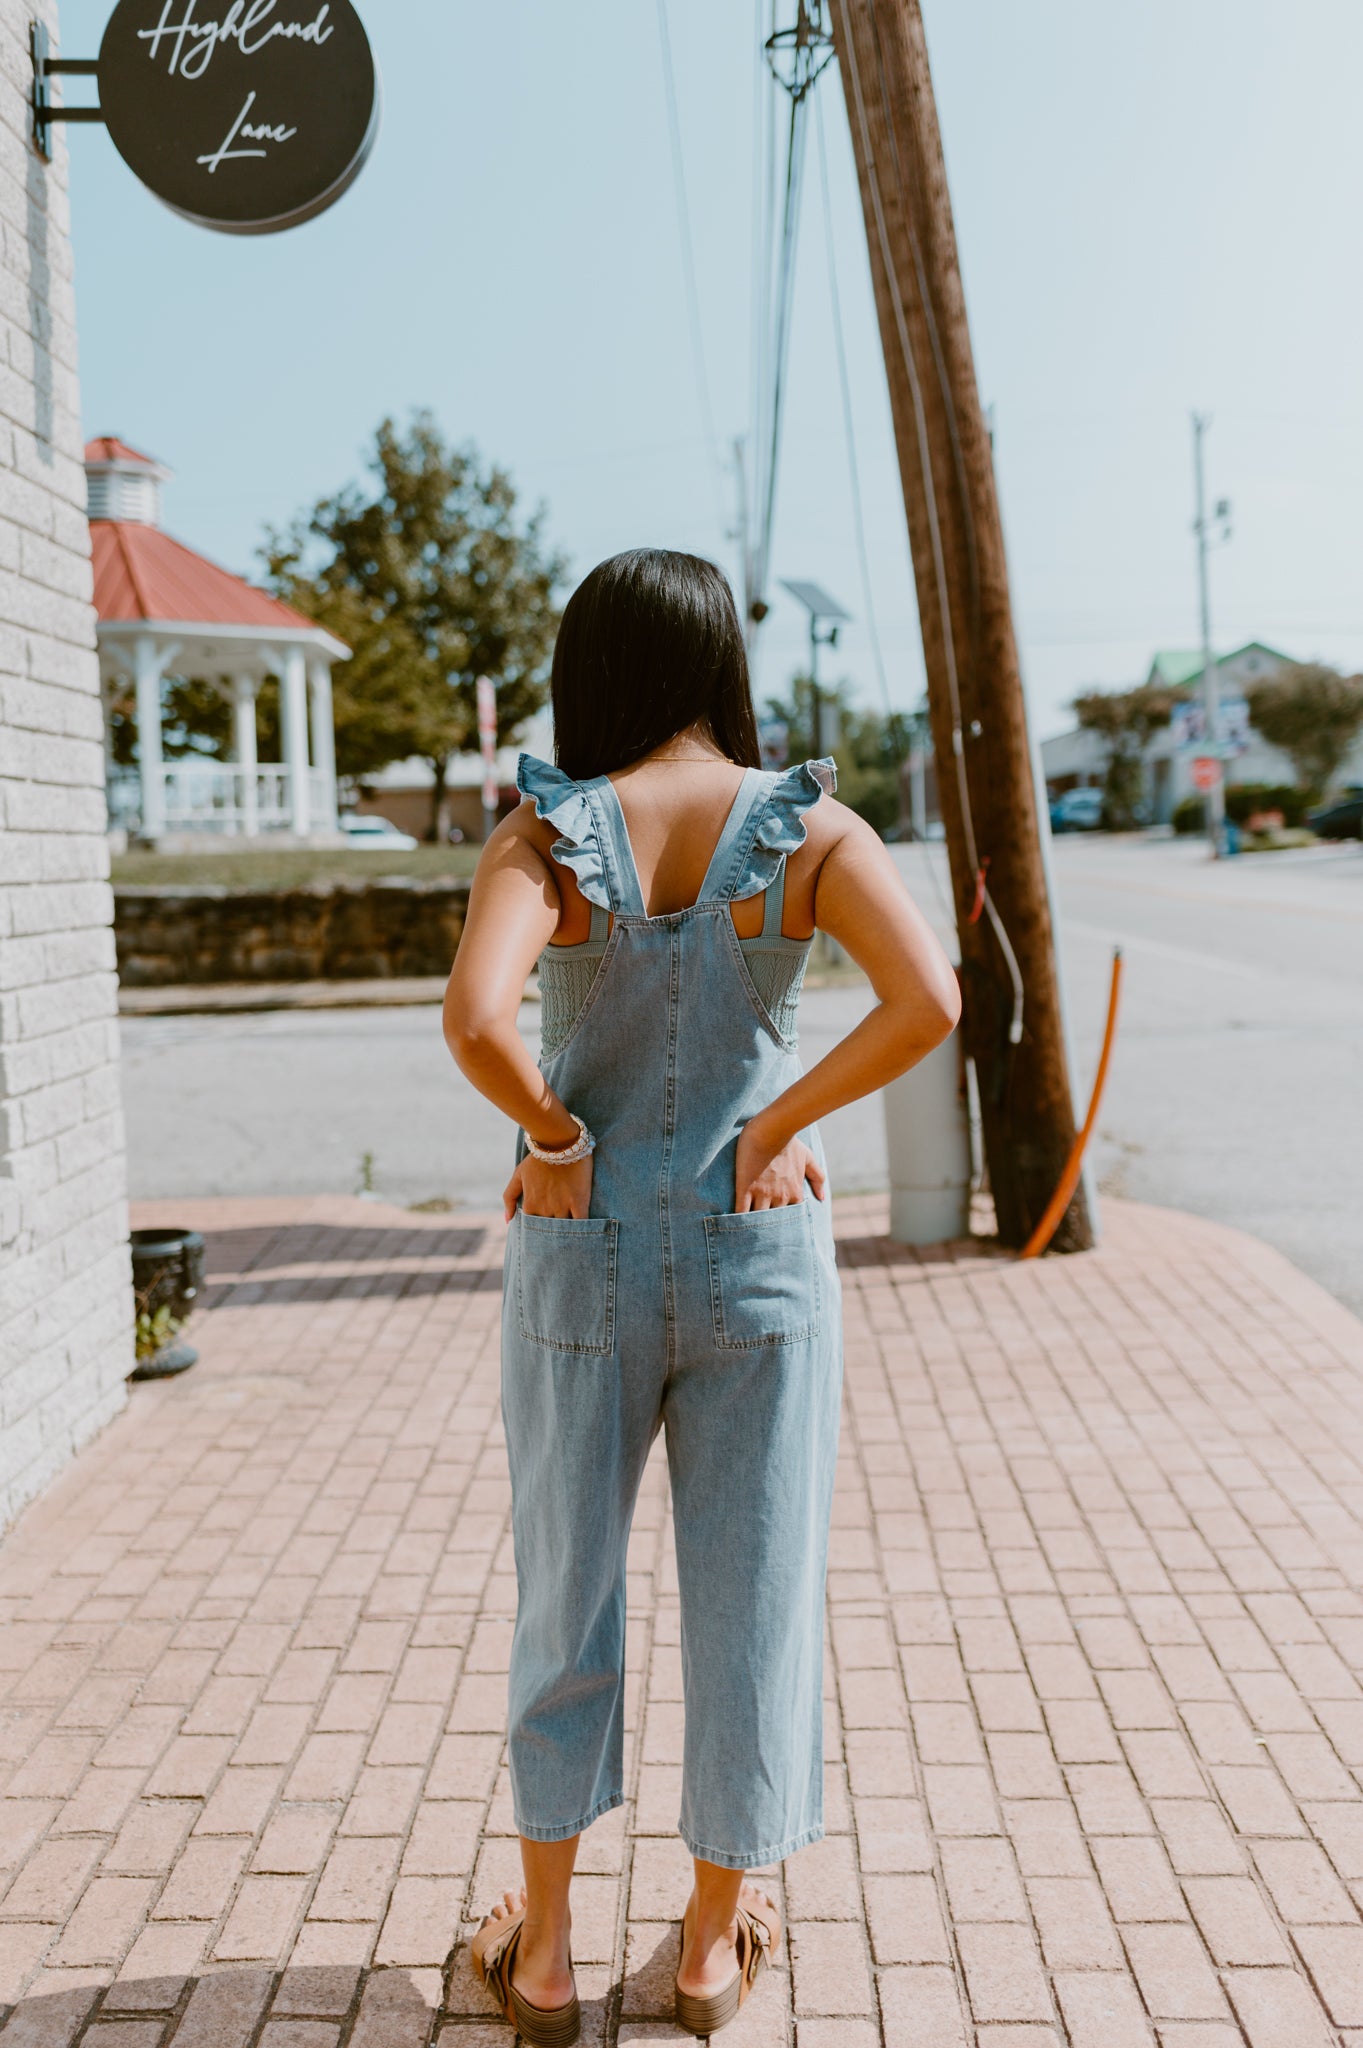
{"x": 927, "y": 1135}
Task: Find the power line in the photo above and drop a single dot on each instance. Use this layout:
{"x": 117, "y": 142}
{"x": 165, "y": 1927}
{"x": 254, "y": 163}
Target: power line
{"x": 849, "y": 427}
{"x": 796, "y": 57}
{"x": 689, "y": 258}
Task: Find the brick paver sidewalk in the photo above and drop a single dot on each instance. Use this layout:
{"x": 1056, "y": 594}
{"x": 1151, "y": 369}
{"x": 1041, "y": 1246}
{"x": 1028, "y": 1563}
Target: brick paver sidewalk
{"x": 1095, "y": 1729}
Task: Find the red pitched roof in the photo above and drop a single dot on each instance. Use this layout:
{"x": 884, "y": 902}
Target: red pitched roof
{"x": 141, "y": 573}
{"x": 108, "y": 448}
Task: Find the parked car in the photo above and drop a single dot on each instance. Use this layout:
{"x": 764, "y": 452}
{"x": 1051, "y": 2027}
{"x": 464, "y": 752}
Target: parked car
{"x": 1343, "y": 820}
{"x": 1077, "y": 810}
{"x": 376, "y": 832}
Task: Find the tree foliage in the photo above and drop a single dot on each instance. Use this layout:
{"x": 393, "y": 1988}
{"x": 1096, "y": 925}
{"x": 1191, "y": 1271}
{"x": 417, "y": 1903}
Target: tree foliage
{"x": 869, "y": 747}
{"x": 1125, "y": 721}
{"x": 1314, "y": 714}
{"x": 432, "y": 579}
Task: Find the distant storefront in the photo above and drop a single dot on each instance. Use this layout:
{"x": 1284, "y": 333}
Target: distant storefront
{"x": 1078, "y": 759}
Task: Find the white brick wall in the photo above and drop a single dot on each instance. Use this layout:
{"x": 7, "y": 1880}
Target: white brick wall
{"x": 65, "y": 1290}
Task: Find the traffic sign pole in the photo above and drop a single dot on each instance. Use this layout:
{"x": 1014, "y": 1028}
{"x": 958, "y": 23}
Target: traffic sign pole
{"x": 487, "y": 746}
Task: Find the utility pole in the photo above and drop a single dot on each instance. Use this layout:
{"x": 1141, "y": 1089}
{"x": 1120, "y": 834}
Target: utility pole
{"x": 1012, "y": 1024}
{"x": 1211, "y": 694}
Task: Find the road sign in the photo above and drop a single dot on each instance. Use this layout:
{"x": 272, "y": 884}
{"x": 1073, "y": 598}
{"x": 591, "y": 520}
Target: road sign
{"x": 1188, "y": 728}
{"x": 1206, "y": 772}
{"x": 250, "y": 122}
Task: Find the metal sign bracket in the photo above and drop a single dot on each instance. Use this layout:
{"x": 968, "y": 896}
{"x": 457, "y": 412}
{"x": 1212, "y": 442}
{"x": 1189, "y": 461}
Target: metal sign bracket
{"x": 45, "y": 68}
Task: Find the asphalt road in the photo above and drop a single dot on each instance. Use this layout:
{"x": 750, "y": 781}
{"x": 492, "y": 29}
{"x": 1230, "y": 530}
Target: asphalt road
{"x": 1236, "y": 1091}
{"x": 1237, "y": 1085}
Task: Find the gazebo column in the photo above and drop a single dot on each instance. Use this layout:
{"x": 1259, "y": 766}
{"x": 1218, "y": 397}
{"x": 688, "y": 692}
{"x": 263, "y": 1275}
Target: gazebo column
{"x": 294, "y": 726}
{"x": 244, "y": 748}
{"x": 323, "y": 739}
{"x": 147, "y": 676}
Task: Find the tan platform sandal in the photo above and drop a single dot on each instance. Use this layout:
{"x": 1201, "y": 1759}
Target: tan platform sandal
{"x": 493, "y": 1949}
{"x": 759, "y": 1939}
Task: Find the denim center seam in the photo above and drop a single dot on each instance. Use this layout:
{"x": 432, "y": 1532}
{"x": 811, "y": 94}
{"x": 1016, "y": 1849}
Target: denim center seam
{"x": 669, "y": 1130}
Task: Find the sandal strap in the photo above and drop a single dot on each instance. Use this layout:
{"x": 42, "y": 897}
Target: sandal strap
{"x": 756, "y": 1943}
{"x": 498, "y": 1958}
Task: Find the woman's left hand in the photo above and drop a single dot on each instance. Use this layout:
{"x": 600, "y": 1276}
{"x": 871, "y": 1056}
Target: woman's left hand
{"x": 544, "y": 1190}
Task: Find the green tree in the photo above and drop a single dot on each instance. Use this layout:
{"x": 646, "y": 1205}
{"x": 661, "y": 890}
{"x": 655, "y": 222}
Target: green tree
{"x": 869, "y": 747}
{"x": 1125, "y": 721}
{"x": 1314, "y": 714}
{"x": 431, "y": 578}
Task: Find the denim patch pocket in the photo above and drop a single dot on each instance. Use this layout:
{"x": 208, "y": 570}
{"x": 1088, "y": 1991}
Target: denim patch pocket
{"x": 565, "y": 1281}
{"x": 764, "y": 1277}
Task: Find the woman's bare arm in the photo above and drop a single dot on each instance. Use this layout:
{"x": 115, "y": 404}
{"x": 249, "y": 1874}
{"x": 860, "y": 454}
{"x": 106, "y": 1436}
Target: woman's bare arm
{"x": 512, "y": 915}
{"x": 861, "y": 902}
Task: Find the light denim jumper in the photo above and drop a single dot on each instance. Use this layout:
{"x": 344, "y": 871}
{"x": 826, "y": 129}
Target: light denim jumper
{"x": 664, "y": 1309}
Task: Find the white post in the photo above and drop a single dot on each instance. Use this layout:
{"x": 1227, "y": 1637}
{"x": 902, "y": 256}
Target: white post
{"x": 244, "y": 748}
{"x": 147, "y": 674}
{"x": 927, "y": 1134}
{"x": 294, "y": 726}
{"x": 323, "y": 738}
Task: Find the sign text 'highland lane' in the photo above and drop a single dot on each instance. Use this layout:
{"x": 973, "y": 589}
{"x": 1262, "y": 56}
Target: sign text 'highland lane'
{"x": 247, "y": 23}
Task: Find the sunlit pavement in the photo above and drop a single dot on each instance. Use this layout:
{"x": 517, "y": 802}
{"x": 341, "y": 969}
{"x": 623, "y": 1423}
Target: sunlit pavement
{"x": 1095, "y": 1726}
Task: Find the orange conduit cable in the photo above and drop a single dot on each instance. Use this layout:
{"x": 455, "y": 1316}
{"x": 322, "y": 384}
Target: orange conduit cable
{"x": 1069, "y": 1179}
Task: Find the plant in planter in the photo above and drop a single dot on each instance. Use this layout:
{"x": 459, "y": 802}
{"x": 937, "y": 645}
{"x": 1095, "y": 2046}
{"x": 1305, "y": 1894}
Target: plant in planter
{"x": 168, "y": 1270}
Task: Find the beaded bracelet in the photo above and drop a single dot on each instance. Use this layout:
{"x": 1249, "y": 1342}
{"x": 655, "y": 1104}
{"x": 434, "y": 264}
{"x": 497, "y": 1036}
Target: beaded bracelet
{"x": 566, "y": 1155}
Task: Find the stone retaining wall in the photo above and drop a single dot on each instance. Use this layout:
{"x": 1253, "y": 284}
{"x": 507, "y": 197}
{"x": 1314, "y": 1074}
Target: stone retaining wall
{"x": 331, "y": 932}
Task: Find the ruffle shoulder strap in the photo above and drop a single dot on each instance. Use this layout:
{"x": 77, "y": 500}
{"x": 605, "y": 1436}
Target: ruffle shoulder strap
{"x": 563, "y": 803}
{"x": 781, "y": 828}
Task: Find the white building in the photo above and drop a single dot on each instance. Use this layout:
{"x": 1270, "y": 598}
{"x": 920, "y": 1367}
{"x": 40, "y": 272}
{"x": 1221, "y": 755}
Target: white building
{"x": 1078, "y": 759}
{"x": 66, "y": 1304}
{"x": 164, "y": 610}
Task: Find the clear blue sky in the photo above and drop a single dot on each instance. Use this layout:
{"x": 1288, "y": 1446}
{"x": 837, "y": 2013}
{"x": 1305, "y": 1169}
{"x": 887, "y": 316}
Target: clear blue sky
{"x": 1158, "y": 208}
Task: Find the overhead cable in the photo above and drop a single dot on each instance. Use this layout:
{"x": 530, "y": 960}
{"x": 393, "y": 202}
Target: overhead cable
{"x": 796, "y": 56}
{"x": 688, "y": 252}
{"x": 849, "y": 425}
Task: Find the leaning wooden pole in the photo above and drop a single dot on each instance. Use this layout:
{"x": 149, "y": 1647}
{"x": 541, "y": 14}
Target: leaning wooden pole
{"x": 1012, "y": 1023}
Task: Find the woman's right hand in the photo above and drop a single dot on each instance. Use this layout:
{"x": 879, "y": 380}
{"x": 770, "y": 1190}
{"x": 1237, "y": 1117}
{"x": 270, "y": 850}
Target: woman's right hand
{"x": 772, "y": 1175}
{"x": 545, "y": 1190}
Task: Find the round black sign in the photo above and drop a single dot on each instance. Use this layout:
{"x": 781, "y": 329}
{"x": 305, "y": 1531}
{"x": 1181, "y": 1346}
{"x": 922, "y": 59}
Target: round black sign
{"x": 244, "y": 115}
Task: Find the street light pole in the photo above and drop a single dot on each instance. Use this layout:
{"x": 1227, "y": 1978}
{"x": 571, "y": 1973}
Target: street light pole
{"x": 815, "y": 701}
{"x": 823, "y": 610}
{"x": 1211, "y": 694}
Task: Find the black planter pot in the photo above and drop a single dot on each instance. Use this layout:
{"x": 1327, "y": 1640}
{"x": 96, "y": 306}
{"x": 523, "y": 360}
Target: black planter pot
{"x": 168, "y": 1271}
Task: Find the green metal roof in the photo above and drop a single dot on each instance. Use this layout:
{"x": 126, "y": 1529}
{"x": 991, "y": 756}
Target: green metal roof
{"x": 1176, "y": 667}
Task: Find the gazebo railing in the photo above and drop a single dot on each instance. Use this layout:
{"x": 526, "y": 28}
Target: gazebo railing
{"x": 219, "y": 797}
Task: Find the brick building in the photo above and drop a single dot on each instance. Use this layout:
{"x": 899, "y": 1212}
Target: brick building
{"x": 65, "y": 1304}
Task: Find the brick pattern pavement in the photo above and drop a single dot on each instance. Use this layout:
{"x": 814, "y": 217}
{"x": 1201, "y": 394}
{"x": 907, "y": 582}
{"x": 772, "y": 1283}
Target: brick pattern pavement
{"x": 1095, "y": 1727}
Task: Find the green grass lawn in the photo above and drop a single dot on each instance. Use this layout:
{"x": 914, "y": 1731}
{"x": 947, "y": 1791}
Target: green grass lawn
{"x": 293, "y": 867}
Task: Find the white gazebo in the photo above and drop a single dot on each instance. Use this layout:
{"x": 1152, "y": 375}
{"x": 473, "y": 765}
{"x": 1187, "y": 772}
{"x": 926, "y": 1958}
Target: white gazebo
{"x": 163, "y": 610}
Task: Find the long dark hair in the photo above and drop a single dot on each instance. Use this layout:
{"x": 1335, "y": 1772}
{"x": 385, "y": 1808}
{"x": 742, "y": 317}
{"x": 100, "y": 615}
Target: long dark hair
{"x": 649, "y": 645}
